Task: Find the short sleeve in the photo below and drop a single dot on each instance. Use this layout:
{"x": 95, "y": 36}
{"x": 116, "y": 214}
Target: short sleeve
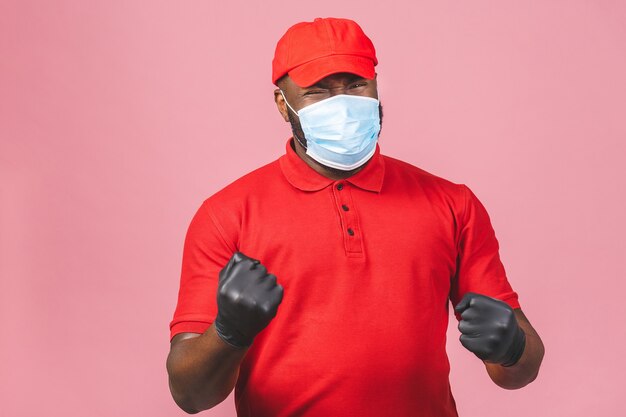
{"x": 206, "y": 251}
{"x": 479, "y": 268}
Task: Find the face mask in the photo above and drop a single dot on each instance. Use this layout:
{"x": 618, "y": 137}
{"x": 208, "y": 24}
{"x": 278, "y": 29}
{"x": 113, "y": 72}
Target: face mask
{"x": 341, "y": 131}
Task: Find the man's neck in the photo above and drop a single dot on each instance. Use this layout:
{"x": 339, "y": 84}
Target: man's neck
{"x": 333, "y": 174}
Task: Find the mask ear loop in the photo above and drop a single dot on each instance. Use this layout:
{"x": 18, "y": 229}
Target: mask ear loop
{"x": 296, "y": 113}
{"x": 287, "y": 103}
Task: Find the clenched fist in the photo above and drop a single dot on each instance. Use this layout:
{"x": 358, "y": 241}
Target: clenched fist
{"x": 247, "y": 300}
{"x": 490, "y": 330}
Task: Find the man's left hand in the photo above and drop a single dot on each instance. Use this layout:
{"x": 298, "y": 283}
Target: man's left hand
{"x": 490, "y": 330}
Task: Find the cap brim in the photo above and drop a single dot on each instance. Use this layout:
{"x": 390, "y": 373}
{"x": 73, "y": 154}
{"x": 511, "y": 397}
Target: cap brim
{"x": 311, "y": 72}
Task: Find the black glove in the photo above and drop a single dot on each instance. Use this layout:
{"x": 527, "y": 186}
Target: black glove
{"x": 247, "y": 300}
{"x": 490, "y": 330}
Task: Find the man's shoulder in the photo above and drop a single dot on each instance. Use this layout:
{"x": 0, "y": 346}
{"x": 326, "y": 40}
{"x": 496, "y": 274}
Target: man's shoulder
{"x": 259, "y": 180}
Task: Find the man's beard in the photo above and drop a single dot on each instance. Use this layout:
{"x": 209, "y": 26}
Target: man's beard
{"x": 296, "y": 128}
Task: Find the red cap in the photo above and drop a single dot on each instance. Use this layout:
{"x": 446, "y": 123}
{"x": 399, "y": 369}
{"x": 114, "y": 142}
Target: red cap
{"x": 310, "y": 51}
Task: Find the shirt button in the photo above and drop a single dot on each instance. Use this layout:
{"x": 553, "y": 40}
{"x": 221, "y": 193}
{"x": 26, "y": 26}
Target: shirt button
{"x": 344, "y": 207}
{"x": 350, "y": 231}
{"x": 340, "y": 186}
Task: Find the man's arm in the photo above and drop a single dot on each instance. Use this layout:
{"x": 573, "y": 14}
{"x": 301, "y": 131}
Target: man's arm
{"x": 527, "y": 368}
{"x": 202, "y": 369}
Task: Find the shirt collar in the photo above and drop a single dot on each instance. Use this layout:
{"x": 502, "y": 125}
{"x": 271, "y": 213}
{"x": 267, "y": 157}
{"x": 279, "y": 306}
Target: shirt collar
{"x": 305, "y": 178}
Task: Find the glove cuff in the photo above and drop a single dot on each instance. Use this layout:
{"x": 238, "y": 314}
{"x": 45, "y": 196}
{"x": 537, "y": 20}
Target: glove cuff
{"x": 238, "y": 341}
{"x": 517, "y": 349}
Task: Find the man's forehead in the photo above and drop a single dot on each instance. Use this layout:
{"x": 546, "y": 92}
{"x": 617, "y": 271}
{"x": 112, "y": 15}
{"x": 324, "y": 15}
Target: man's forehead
{"x": 286, "y": 82}
{"x": 346, "y": 77}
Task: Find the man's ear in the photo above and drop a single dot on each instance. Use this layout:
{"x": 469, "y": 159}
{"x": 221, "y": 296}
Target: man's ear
{"x": 281, "y": 105}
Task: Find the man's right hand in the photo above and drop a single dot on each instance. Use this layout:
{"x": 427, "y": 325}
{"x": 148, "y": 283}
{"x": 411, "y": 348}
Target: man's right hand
{"x": 247, "y": 300}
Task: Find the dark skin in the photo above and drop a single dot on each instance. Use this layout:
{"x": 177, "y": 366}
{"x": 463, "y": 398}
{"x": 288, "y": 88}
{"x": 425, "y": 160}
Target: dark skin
{"x": 299, "y": 97}
{"x": 203, "y": 369}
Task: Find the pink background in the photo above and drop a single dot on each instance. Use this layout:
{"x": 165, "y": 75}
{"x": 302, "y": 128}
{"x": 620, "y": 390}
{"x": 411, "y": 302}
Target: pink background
{"x": 118, "y": 118}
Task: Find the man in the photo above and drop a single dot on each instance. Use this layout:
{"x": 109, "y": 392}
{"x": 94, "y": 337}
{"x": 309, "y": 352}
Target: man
{"x": 318, "y": 284}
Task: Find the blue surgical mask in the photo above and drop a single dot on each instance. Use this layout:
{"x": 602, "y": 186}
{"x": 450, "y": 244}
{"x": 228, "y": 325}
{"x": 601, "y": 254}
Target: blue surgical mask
{"x": 341, "y": 131}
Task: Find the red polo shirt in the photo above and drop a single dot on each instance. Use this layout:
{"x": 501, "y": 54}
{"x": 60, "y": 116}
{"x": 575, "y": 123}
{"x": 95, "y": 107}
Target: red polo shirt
{"x": 368, "y": 264}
